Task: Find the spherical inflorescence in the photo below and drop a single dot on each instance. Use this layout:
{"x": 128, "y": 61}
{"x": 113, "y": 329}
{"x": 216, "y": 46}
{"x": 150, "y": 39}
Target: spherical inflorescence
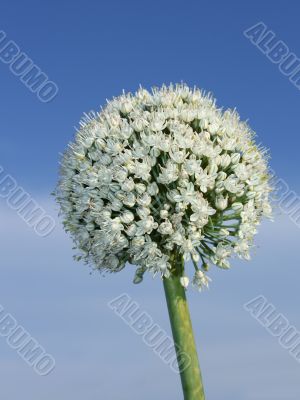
{"x": 154, "y": 173}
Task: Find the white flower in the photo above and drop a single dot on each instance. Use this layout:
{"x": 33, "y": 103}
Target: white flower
{"x": 161, "y": 172}
{"x": 267, "y": 209}
{"x": 187, "y": 194}
{"x": 142, "y": 170}
{"x": 221, "y": 255}
{"x": 205, "y": 180}
{"x": 139, "y": 123}
{"x": 221, "y": 202}
{"x": 249, "y": 213}
{"x": 193, "y": 165}
{"x": 242, "y": 171}
{"x": 242, "y": 249}
{"x": 247, "y": 230}
{"x": 125, "y": 106}
{"x": 201, "y": 280}
{"x": 166, "y": 228}
{"x": 146, "y": 225}
{"x": 157, "y": 122}
{"x": 169, "y": 173}
{"x": 232, "y": 184}
{"x": 201, "y": 210}
{"x": 177, "y": 155}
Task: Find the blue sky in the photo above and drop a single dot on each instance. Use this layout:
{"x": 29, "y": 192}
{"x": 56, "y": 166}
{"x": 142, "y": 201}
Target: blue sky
{"x": 92, "y": 50}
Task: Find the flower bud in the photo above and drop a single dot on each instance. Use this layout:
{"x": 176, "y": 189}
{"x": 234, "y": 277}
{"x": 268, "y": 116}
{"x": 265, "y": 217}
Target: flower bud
{"x": 128, "y": 185}
{"x": 120, "y": 174}
{"x": 144, "y": 199}
{"x": 205, "y": 267}
{"x": 129, "y": 200}
{"x": 224, "y": 232}
{"x": 139, "y": 273}
{"x": 225, "y": 160}
{"x": 116, "y": 225}
{"x": 165, "y": 228}
{"x": 164, "y": 214}
{"x": 125, "y": 106}
{"x": 221, "y": 202}
{"x": 219, "y": 190}
{"x": 90, "y": 226}
{"x": 106, "y": 214}
{"x": 184, "y": 280}
{"x": 203, "y": 123}
{"x": 187, "y": 115}
{"x": 169, "y": 246}
{"x": 153, "y": 189}
{"x": 267, "y": 209}
{"x": 140, "y": 188}
{"x": 138, "y": 124}
{"x": 195, "y": 256}
{"x": 213, "y": 128}
{"x": 221, "y": 176}
{"x": 131, "y": 230}
{"x": 127, "y": 217}
{"x": 235, "y": 158}
{"x": 143, "y": 212}
{"x": 116, "y": 205}
{"x": 212, "y": 169}
{"x": 251, "y": 195}
{"x": 138, "y": 241}
{"x": 237, "y": 207}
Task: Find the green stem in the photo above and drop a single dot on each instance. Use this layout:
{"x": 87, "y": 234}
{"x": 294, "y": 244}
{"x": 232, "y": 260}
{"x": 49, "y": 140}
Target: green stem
{"x": 182, "y": 330}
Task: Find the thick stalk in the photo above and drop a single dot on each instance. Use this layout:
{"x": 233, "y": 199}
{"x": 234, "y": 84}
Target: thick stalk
{"x": 181, "y": 325}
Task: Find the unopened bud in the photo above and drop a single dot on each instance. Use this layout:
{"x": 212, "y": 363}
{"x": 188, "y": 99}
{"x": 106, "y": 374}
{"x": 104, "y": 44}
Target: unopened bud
{"x": 237, "y": 206}
{"x": 184, "y": 280}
